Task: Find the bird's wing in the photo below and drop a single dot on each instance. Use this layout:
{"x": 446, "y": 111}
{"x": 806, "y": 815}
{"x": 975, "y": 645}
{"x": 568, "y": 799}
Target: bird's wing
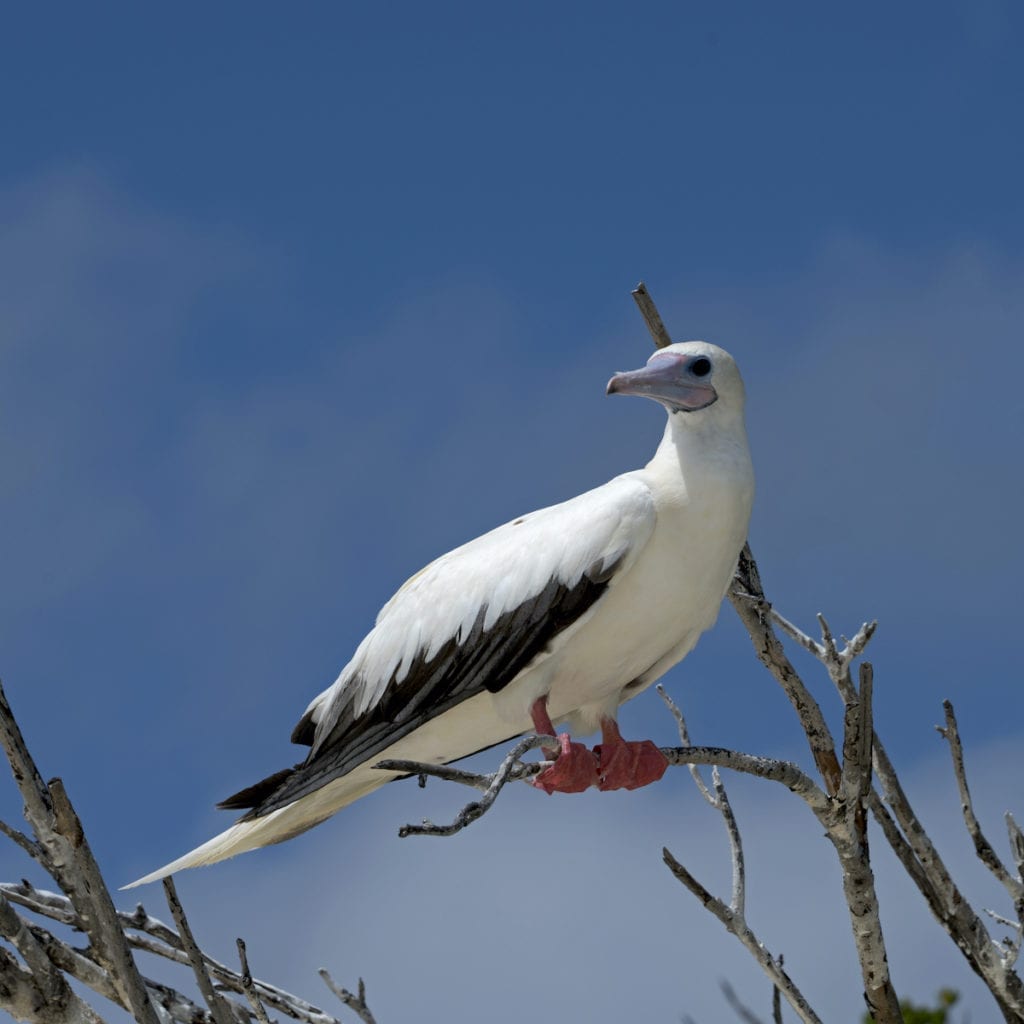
{"x": 470, "y": 621}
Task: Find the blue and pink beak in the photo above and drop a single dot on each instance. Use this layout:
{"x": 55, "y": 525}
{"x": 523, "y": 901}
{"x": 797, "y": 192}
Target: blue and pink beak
{"x": 682, "y": 383}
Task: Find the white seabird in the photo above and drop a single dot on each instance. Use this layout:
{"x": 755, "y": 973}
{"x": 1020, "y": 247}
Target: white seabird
{"x": 558, "y": 616}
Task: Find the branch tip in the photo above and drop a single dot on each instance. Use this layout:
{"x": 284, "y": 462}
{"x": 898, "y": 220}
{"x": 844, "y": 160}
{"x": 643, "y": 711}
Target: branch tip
{"x": 652, "y": 318}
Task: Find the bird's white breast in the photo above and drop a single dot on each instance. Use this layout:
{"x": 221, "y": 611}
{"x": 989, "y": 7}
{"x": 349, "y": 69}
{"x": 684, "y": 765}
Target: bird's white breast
{"x": 653, "y": 612}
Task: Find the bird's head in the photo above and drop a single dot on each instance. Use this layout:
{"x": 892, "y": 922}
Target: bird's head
{"x": 685, "y": 378}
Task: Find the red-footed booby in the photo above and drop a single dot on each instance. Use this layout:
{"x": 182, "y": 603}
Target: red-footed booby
{"x": 559, "y": 616}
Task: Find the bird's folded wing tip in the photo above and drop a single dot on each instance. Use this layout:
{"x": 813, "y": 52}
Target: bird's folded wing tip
{"x": 145, "y": 880}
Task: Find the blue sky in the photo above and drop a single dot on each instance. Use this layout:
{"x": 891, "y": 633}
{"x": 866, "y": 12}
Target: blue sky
{"x": 294, "y": 300}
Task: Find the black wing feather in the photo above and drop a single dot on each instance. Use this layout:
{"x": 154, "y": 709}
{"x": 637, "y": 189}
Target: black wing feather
{"x": 484, "y": 660}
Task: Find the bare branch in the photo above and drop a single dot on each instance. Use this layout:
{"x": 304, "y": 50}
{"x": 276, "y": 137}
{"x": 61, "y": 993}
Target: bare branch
{"x": 1000, "y": 919}
{"x": 1016, "y": 844}
{"x": 827, "y": 639}
{"x": 982, "y": 847}
{"x": 905, "y": 853}
{"x": 258, "y": 1009}
{"x": 856, "y": 647}
{"x": 509, "y": 768}
{"x": 858, "y": 739}
{"x": 747, "y": 597}
{"x": 77, "y": 964}
{"x": 49, "y": 980}
{"x": 65, "y": 853}
{"x": 837, "y": 662}
{"x": 448, "y": 773}
{"x": 684, "y": 738}
{"x": 925, "y": 866}
{"x": 777, "y": 1000}
{"x": 785, "y": 772}
{"x": 651, "y": 316}
{"x": 356, "y": 1003}
{"x": 165, "y": 943}
{"x": 737, "y": 926}
{"x": 33, "y": 849}
{"x": 739, "y": 884}
{"x": 720, "y": 801}
{"x": 80, "y": 877}
{"x": 38, "y": 811}
{"x": 1011, "y": 945}
{"x": 849, "y": 836}
{"x": 797, "y": 634}
{"x": 214, "y": 1000}
{"x": 38, "y": 992}
{"x": 21, "y": 998}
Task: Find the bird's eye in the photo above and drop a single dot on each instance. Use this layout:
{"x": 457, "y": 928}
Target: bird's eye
{"x": 700, "y": 367}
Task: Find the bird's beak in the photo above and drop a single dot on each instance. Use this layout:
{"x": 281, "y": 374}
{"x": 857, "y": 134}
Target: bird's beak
{"x": 666, "y": 379}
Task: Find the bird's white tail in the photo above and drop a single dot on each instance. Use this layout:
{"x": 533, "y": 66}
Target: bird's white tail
{"x": 277, "y": 826}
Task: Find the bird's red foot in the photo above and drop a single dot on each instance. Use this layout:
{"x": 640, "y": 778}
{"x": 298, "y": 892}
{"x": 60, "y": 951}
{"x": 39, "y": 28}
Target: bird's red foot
{"x": 574, "y": 770}
{"x": 575, "y": 767}
{"x": 625, "y": 764}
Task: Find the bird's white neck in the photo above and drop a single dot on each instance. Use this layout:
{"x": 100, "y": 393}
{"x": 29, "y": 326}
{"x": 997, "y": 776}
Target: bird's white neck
{"x": 694, "y": 439}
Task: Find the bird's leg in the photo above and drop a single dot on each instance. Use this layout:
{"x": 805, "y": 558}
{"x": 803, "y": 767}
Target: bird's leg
{"x": 626, "y": 764}
{"x": 575, "y": 767}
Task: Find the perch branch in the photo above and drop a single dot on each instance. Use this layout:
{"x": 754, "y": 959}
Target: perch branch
{"x": 511, "y": 766}
{"x": 512, "y": 769}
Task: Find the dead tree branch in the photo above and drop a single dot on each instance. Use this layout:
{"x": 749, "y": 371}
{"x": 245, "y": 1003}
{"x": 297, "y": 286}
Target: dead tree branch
{"x": 754, "y": 610}
{"x": 891, "y": 808}
{"x": 65, "y": 853}
{"x": 651, "y": 316}
{"x": 258, "y": 1009}
{"x": 986, "y": 854}
{"x": 510, "y": 769}
{"x": 214, "y": 1000}
{"x": 356, "y": 1003}
{"x": 37, "y": 989}
{"x": 514, "y": 770}
{"x": 733, "y": 916}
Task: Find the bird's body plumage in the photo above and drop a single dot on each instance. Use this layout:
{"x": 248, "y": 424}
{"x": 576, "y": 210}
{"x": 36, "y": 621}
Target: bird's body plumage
{"x": 585, "y": 603}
